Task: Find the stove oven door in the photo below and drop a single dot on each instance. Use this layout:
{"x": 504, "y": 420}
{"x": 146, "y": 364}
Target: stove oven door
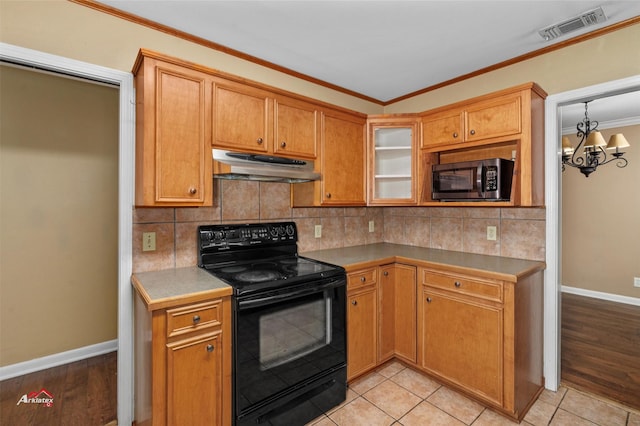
{"x": 290, "y": 353}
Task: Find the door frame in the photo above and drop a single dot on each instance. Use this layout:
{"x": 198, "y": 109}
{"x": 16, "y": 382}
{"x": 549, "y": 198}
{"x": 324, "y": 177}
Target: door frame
{"x": 126, "y": 173}
{"x": 553, "y": 198}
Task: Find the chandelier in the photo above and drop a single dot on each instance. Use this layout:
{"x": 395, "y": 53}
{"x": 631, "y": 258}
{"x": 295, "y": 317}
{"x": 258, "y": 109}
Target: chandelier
{"x": 591, "y": 150}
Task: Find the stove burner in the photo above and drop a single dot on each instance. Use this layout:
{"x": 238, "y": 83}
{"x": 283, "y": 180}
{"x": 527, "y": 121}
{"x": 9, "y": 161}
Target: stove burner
{"x": 257, "y": 276}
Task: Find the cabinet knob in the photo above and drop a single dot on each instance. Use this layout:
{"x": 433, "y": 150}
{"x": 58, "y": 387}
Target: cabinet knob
{"x": 354, "y": 302}
{"x": 455, "y": 134}
{"x": 473, "y": 132}
{"x": 283, "y": 144}
{"x": 196, "y": 319}
{"x": 192, "y": 191}
{"x": 363, "y": 279}
{"x": 428, "y": 300}
{"x": 210, "y": 348}
{"x": 385, "y": 273}
{"x": 457, "y": 283}
{"x": 328, "y": 195}
{"x": 259, "y": 141}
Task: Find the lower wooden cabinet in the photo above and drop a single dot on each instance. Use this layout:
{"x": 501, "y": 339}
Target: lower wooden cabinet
{"x": 483, "y": 336}
{"x": 480, "y": 335}
{"x": 183, "y": 364}
{"x": 362, "y": 322}
{"x": 381, "y": 317}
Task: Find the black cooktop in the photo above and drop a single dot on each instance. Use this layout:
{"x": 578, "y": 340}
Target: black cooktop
{"x": 256, "y": 257}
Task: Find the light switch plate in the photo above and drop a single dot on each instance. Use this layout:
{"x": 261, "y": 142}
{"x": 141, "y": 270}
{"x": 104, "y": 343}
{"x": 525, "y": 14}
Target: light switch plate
{"x": 318, "y": 231}
{"x": 372, "y": 226}
{"x": 148, "y": 241}
{"x": 636, "y": 281}
{"x": 492, "y": 233}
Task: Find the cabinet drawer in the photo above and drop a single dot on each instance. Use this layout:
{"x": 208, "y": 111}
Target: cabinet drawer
{"x": 362, "y": 278}
{"x": 483, "y": 289}
{"x": 201, "y": 316}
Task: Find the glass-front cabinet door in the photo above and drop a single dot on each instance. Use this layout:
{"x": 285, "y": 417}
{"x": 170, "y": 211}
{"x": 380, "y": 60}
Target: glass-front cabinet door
{"x": 392, "y": 160}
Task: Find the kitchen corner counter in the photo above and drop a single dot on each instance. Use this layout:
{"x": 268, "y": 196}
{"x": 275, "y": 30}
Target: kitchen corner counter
{"x": 169, "y": 287}
{"x": 495, "y": 267}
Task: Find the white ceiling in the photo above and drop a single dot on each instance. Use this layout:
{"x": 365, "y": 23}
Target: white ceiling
{"x": 388, "y": 49}
{"x": 380, "y": 49}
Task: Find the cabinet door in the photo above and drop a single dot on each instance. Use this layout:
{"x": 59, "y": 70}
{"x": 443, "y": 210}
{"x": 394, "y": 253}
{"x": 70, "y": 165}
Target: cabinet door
{"x": 343, "y": 160}
{"x": 194, "y": 381}
{"x": 462, "y": 342}
{"x": 392, "y": 162}
{"x": 405, "y": 311}
{"x": 442, "y": 128}
{"x": 362, "y": 330}
{"x": 241, "y": 118}
{"x": 173, "y": 146}
{"x": 296, "y": 129}
{"x": 498, "y": 117}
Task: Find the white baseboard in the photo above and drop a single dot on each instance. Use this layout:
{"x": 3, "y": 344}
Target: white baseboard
{"x": 600, "y": 295}
{"x": 55, "y": 360}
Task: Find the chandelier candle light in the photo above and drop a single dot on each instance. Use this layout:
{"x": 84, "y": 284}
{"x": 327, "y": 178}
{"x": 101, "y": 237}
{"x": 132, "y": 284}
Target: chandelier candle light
{"x": 593, "y": 147}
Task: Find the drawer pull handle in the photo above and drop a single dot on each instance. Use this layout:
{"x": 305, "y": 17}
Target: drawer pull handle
{"x": 455, "y": 135}
{"x": 259, "y": 140}
{"x": 196, "y": 319}
{"x": 283, "y": 144}
{"x": 386, "y": 273}
{"x": 192, "y": 191}
{"x": 328, "y": 195}
{"x": 210, "y": 348}
{"x": 354, "y": 302}
{"x": 457, "y": 284}
{"x": 363, "y": 279}
{"x": 428, "y": 300}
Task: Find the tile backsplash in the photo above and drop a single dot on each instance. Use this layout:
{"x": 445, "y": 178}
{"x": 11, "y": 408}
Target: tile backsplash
{"x": 520, "y": 231}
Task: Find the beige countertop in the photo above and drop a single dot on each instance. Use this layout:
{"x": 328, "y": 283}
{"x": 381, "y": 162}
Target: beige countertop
{"x": 169, "y": 287}
{"x": 357, "y": 257}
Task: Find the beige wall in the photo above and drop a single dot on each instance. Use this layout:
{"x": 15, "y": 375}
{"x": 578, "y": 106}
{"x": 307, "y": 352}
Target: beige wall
{"x": 601, "y": 223}
{"x": 59, "y": 210}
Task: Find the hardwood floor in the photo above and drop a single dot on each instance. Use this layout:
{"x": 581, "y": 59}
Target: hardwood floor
{"x": 84, "y": 394}
{"x": 600, "y": 348}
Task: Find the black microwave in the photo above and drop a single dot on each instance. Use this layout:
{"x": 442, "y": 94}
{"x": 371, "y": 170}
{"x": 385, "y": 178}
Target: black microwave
{"x": 479, "y": 180}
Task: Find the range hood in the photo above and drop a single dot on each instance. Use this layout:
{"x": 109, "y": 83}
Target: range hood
{"x": 261, "y": 167}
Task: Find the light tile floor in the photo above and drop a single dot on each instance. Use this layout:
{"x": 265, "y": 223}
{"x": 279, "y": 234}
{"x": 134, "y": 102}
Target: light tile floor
{"x": 397, "y": 395}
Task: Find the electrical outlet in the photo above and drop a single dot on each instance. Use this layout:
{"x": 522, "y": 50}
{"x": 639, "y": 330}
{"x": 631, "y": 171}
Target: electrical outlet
{"x": 636, "y": 281}
{"x": 148, "y": 241}
{"x": 372, "y": 226}
{"x": 318, "y": 231}
{"x": 491, "y": 233}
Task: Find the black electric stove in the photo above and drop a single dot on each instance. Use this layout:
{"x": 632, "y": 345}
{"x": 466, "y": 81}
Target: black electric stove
{"x": 288, "y": 323}
{"x": 258, "y": 257}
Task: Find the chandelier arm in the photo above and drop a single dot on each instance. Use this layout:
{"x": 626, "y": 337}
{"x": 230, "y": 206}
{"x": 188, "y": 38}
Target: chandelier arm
{"x": 620, "y": 161}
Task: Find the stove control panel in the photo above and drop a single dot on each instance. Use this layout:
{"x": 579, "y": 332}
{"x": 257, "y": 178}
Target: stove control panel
{"x": 228, "y": 236}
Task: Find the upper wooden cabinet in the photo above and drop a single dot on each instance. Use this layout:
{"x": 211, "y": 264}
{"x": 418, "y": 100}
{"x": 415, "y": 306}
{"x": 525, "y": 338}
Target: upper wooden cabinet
{"x": 254, "y": 120}
{"x": 242, "y": 117}
{"x": 173, "y": 135}
{"x": 342, "y": 164}
{"x": 495, "y": 117}
{"x": 392, "y": 151}
{"x": 507, "y": 124}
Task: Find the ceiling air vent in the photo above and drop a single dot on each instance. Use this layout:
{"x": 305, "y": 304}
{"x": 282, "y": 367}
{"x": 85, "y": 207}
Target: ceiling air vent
{"x": 586, "y": 19}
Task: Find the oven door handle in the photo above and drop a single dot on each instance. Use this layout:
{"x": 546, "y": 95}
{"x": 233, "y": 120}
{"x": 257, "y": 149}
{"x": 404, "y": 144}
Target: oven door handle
{"x": 275, "y": 298}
